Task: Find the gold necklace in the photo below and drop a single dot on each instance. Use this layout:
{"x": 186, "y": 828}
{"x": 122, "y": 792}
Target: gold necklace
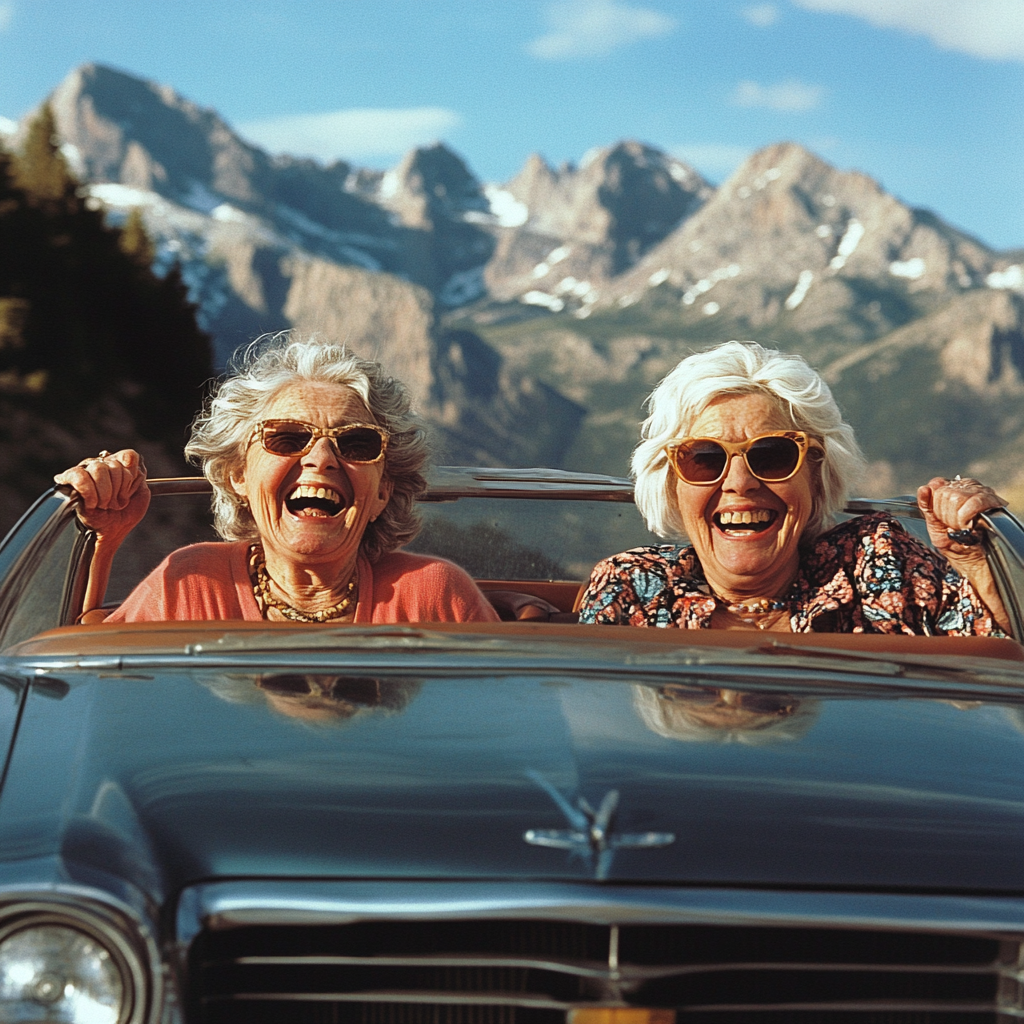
{"x": 261, "y": 583}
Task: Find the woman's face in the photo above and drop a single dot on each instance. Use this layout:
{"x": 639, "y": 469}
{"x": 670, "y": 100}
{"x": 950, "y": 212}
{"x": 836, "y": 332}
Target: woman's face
{"x": 758, "y": 559}
{"x": 295, "y": 522}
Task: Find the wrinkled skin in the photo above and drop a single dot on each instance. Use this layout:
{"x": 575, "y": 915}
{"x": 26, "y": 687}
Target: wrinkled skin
{"x": 310, "y": 553}
{"x": 744, "y": 565}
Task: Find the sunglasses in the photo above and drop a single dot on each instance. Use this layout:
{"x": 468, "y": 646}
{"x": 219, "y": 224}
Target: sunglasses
{"x": 355, "y": 442}
{"x": 351, "y": 689}
{"x": 757, "y": 703}
{"x": 770, "y": 457}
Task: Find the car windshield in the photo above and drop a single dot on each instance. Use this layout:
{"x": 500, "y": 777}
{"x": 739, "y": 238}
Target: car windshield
{"x": 492, "y": 538}
{"x": 530, "y": 534}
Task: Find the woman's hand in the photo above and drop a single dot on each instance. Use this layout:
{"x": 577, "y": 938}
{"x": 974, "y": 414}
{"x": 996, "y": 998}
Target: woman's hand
{"x": 113, "y": 496}
{"x": 953, "y": 505}
{"x": 112, "y": 491}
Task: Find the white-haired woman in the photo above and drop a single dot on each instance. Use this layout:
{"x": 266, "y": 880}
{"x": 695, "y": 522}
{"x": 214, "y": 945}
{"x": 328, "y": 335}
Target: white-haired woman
{"x": 315, "y": 464}
{"x": 746, "y": 455}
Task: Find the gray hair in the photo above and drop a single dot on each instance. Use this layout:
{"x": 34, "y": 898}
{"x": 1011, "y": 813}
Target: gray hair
{"x": 742, "y": 368}
{"x": 222, "y": 430}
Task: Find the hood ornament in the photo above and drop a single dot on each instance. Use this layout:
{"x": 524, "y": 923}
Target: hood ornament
{"x": 592, "y": 834}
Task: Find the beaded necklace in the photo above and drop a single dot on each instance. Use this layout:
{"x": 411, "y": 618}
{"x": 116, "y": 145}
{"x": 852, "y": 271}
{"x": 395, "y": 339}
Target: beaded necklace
{"x": 261, "y": 584}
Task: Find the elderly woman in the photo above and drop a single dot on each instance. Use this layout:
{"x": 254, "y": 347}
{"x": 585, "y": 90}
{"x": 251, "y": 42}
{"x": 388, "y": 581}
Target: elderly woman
{"x": 315, "y": 464}
{"x": 745, "y": 454}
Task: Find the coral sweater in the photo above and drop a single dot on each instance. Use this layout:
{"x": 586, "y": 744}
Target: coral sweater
{"x": 211, "y": 581}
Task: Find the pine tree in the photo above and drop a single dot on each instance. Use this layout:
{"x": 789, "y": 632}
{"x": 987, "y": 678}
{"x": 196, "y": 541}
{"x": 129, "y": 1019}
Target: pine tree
{"x": 42, "y": 171}
{"x": 135, "y": 240}
{"x": 85, "y": 320}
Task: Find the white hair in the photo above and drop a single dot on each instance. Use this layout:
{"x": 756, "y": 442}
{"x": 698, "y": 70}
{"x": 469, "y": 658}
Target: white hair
{"x": 742, "y": 368}
{"x": 222, "y": 430}
{"x": 669, "y": 718}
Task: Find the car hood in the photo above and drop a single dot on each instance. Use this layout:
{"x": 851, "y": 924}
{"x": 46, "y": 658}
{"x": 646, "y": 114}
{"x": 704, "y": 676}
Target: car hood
{"x": 172, "y": 777}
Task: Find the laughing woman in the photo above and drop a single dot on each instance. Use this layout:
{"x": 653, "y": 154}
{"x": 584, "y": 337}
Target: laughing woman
{"x": 315, "y": 465}
{"x": 745, "y": 454}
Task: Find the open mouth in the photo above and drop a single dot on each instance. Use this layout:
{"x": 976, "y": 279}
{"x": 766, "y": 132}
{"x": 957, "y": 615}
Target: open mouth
{"x": 755, "y": 520}
{"x": 314, "y": 502}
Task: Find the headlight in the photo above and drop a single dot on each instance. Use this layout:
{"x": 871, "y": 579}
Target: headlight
{"x": 59, "y": 969}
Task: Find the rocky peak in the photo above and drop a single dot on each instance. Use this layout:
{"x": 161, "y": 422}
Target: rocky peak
{"x": 627, "y": 196}
{"x": 586, "y": 224}
{"x": 432, "y": 184}
{"x": 137, "y": 133}
{"x": 789, "y": 235}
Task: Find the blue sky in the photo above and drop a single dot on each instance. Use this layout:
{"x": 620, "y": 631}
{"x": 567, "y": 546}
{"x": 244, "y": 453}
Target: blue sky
{"x": 926, "y": 96}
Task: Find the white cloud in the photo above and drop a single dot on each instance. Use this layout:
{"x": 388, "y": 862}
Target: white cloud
{"x": 791, "y": 95}
{"x": 593, "y": 28}
{"x": 991, "y": 29}
{"x": 6, "y": 14}
{"x": 713, "y": 160}
{"x": 355, "y": 134}
{"x": 761, "y": 15}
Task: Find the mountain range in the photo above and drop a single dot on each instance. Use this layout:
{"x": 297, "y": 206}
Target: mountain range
{"x": 532, "y": 317}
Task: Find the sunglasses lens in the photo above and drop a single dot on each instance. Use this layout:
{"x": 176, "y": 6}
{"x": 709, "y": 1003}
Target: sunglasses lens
{"x": 289, "y": 685}
{"x": 773, "y": 458}
{"x": 360, "y": 445}
{"x": 701, "y": 462}
{"x": 286, "y": 438}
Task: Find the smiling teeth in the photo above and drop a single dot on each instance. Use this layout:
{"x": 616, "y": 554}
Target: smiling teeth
{"x": 306, "y": 491}
{"x": 761, "y": 515}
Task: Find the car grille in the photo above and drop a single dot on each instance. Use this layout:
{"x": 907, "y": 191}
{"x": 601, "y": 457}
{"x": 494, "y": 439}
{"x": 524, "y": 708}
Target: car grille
{"x": 533, "y": 972}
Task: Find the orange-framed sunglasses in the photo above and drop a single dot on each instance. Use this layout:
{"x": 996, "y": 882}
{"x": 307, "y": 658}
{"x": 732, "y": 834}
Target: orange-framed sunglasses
{"x": 354, "y": 442}
{"x": 772, "y": 457}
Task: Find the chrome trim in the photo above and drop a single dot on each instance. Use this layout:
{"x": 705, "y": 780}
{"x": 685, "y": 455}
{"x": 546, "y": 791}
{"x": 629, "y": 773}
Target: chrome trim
{"x": 449, "y": 483}
{"x": 431, "y": 996}
{"x": 220, "y": 905}
{"x": 34, "y": 551}
{"x": 129, "y": 940}
{"x": 623, "y": 973}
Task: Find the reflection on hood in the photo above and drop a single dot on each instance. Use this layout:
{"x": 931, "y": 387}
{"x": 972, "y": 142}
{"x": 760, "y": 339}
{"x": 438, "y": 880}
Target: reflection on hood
{"x": 710, "y": 714}
{"x": 315, "y": 698}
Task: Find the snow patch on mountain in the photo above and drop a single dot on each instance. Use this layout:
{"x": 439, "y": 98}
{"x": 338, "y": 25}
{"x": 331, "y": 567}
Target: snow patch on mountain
{"x": 848, "y": 243}
{"x": 538, "y": 298}
{"x": 507, "y": 211}
{"x": 912, "y": 269}
{"x": 799, "y": 293}
{"x": 1012, "y": 278}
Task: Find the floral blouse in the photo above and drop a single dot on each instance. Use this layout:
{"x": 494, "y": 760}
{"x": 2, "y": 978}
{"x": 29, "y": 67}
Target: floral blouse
{"x": 867, "y": 575}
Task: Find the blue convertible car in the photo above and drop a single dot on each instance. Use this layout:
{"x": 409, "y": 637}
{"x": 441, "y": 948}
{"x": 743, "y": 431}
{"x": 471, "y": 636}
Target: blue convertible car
{"x": 533, "y": 822}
